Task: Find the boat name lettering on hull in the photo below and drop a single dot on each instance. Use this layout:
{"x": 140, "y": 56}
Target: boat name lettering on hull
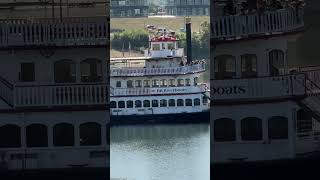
{"x": 228, "y": 90}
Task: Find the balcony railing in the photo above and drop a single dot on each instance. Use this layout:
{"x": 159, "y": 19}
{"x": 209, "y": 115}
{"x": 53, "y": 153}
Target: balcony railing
{"x": 158, "y": 71}
{"x": 60, "y": 95}
{"x": 258, "y": 88}
{"x": 242, "y": 26}
{"x": 68, "y": 32}
{"x": 157, "y": 90}
{"x": 6, "y": 91}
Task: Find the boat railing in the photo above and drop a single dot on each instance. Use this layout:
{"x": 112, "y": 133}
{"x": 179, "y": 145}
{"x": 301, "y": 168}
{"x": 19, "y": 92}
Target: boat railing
{"x": 68, "y": 32}
{"x": 6, "y": 91}
{"x": 195, "y": 68}
{"x": 179, "y": 52}
{"x": 267, "y": 23}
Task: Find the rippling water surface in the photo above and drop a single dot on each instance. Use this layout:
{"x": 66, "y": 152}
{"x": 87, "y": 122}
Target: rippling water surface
{"x": 162, "y": 152}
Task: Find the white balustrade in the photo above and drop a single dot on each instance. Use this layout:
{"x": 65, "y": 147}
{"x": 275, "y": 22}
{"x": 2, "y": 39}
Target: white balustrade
{"x": 238, "y": 26}
{"x": 255, "y": 88}
{"x": 195, "y": 68}
{"x": 157, "y": 90}
{"x": 68, "y": 32}
{"x": 60, "y": 95}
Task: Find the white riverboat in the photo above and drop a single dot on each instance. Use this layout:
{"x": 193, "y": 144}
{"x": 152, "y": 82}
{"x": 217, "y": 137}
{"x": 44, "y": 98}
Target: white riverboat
{"x": 53, "y": 91}
{"x": 163, "y": 86}
{"x": 261, "y": 109}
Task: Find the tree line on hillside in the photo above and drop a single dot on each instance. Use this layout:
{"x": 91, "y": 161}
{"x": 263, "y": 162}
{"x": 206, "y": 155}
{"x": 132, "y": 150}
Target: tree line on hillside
{"x": 138, "y": 40}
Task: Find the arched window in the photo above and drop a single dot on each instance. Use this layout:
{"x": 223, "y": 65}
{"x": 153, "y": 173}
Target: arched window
{"x": 188, "y": 102}
{"x": 180, "y": 102}
{"x": 163, "y": 103}
{"x": 155, "y": 83}
{"x": 113, "y": 104}
{"x": 129, "y": 104}
{"x": 91, "y": 70}
{"x": 10, "y": 136}
{"x": 138, "y": 104}
{"x": 180, "y": 82}
{"x": 146, "y": 83}
{"x": 172, "y": 103}
{"x": 251, "y": 129}
{"x": 138, "y": 83}
{"x": 195, "y": 81}
{"x": 205, "y": 100}
{"x": 129, "y": 84}
{"x": 146, "y": 103}
{"x": 64, "y": 71}
{"x": 121, "y": 104}
{"x": 278, "y": 127}
{"x": 172, "y": 83}
{"x": 155, "y": 103}
{"x": 37, "y": 135}
{"x": 90, "y": 134}
{"x": 188, "y": 82}
{"x": 196, "y": 102}
{"x": 63, "y": 135}
{"x": 276, "y": 61}
{"x": 225, "y": 66}
{"x": 163, "y": 83}
{"x": 249, "y": 65}
{"x": 224, "y": 130}
{"x": 304, "y": 122}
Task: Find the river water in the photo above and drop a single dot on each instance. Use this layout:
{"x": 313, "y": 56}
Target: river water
{"x": 161, "y": 152}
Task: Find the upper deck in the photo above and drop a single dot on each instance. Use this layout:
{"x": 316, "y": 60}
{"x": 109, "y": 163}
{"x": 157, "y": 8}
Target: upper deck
{"x": 68, "y": 31}
{"x": 226, "y": 28}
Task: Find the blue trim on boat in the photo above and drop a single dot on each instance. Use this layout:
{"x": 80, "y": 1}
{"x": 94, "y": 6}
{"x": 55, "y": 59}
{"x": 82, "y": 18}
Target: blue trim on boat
{"x": 180, "y": 118}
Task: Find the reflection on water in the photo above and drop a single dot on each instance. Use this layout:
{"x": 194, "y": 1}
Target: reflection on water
{"x": 162, "y": 152}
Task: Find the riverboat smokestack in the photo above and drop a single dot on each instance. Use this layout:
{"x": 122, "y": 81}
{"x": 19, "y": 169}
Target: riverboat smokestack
{"x": 188, "y": 36}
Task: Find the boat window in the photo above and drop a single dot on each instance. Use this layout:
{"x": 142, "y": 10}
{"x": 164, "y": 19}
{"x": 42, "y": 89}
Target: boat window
{"x": 205, "y": 100}
{"x": 188, "y": 82}
{"x": 172, "y": 82}
{"x": 91, "y": 70}
{"x": 224, "y": 130}
{"x": 304, "y": 122}
{"x": 64, "y": 71}
{"x": 278, "y": 127}
{"x": 170, "y": 46}
{"x": 138, "y": 104}
{"x": 155, "y": 103}
{"x": 195, "y": 81}
{"x": 146, "y": 103}
{"x": 27, "y": 72}
{"x": 113, "y": 104}
{"x": 146, "y": 83}
{"x": 163, "y": 103}
{"x": 138, "y": 83}
{"x": 37, "y": 135}
{"x": 163, "y": 83}
{"x": 180, "y": 102}
{"x": 180, "y": 82}
{"x": 163, "y": 46}
{"x": 188, "y": 102}
{"x": 196, "y": 102}
{"x": 118, "y": 84}
{"x": 63, "y": 135}
{"x": 156, "y": 47}
{"x": 276, "y": 61}
{"x": 90, "y": 134}
{"x": 225, "y": 66}
{"x": 129, "y": 84}
{"x": 121, "y": 104}
{"x": 10, "y": 136}
{"x": 249, "y": 65}
{"x": 172, "y": 102}
{"x": 129, "y": 104}
{"x": 155, "y": 83}
{"x": 251, "y": 129}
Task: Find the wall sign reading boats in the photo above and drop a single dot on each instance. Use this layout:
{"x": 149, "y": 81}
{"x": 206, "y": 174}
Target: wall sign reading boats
{"x": 230, "y": 90}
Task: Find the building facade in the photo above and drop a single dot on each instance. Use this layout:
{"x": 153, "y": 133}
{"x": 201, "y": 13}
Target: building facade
{"x": 129, "y": 8}
{"x": 188, "y": 7}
